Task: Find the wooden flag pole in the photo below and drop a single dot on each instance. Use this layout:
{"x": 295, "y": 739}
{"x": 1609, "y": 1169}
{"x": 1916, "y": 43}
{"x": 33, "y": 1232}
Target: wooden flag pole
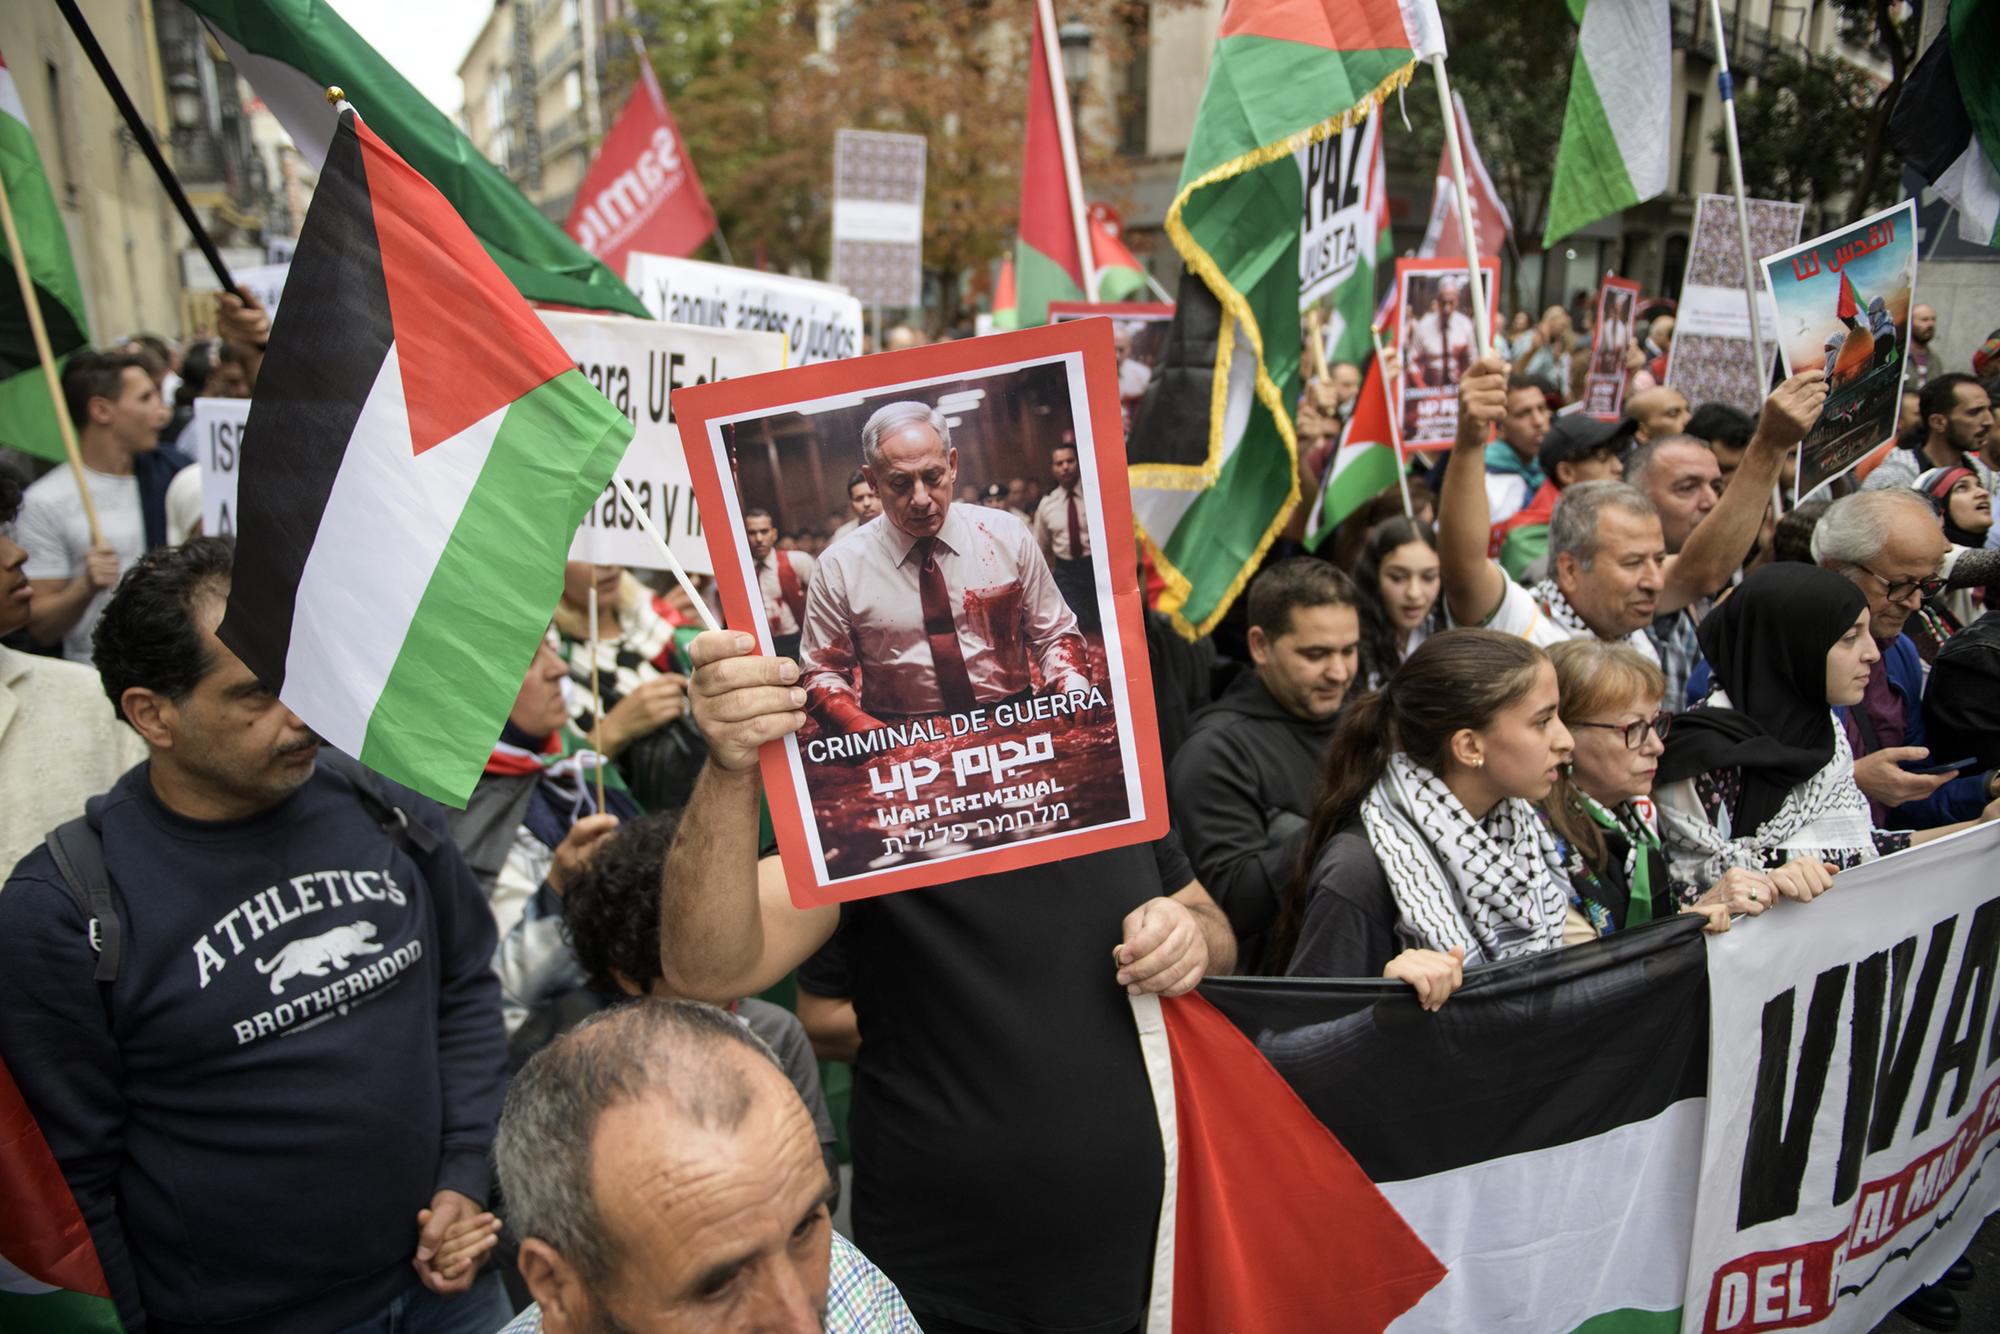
{"x": 596, "y": 699}
{"x": 647, "y": 526}
{"x": 1480, "y": 341}
{"x": 144, "y": 138}
{"x": 1066, "y": 137}
{"x": 40, "y": 331}
{"x": 1395, "y": 427}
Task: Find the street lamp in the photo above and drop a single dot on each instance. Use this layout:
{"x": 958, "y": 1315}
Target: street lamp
{"x": 1074, "y": 38}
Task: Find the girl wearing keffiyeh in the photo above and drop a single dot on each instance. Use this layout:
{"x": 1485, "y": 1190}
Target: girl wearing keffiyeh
{"x": 1427, "y": 851}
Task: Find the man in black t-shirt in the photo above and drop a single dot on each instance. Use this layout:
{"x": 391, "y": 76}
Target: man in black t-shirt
{"x": 1008, "y": 1169}
{"x": 277, "y": 1113}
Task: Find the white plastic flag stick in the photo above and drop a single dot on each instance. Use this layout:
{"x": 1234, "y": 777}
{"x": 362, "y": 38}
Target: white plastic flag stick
{"x": 596, "y": 699}
{"x": 1480, "y": 342}
{"x": 673, "y": 561}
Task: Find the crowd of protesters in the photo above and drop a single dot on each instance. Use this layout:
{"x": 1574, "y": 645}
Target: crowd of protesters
{"x": 571, "y": 1059}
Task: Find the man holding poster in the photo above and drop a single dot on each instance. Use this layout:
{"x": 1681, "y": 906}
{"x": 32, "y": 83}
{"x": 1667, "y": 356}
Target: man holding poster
{"x": 1437, "y": 345}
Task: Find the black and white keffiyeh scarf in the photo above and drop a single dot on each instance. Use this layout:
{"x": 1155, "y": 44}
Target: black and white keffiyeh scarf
{"x": 1557, "y": 608}
{"x": 1495, "y": 887}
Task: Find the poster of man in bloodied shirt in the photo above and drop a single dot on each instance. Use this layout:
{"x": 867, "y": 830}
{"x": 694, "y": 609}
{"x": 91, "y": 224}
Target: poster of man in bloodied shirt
{"x": 977, "y": 695}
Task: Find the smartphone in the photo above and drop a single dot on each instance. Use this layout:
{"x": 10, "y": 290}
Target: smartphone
{"x": 1970, "y": 762}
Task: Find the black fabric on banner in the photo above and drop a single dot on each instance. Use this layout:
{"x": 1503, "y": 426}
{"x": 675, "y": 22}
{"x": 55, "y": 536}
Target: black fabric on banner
{"x": 1494, "y": 1072}
{"x": 326, "y": 351}
{"x": 1171, "y": 424}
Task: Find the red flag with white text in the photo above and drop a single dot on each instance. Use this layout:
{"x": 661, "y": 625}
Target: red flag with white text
{"x": 1443, "y": 238}
{"x": 641, "y": 192}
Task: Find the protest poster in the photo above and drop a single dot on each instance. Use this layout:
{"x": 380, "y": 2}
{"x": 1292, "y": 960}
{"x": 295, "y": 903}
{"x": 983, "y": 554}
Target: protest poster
{"x": 1711, "y": 358}
{"x": 1436, "y": 343}
{"x": 1343, "y": 198}
{"x": 820, "y": 322}
{"x": 878, "y": 216}
{"x": 1139, "y": 337}
{"x": 977, "y": 692}
{"x": 1843, "y": 303}
{"x": 1610, "y": 337}
{"x": 1853, "y": 1101}
{"x": 215, "y": 438}
{"x": 637, "y": 365}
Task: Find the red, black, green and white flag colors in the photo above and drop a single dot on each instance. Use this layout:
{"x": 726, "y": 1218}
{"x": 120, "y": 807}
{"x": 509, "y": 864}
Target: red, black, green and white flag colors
{"x": 1286, "y": 73}
{"x": 1947, "y": 122}
{"x": 1047, "y": 264}
{"x": 1525, "y": 1158}
{"x": 27, "y": 414}
{"x": 1617, "y": 122}
{"x": 418, "y": 456}
{"x": 291, "y": 50}
{"x": 50, "y": 1278}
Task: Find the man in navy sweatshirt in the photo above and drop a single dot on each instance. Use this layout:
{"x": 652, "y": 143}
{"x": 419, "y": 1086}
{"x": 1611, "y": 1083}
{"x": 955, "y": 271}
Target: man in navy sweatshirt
{"x": 278, "y": 1115}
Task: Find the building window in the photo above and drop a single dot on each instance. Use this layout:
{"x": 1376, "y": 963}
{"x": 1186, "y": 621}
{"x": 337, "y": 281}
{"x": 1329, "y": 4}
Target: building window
{"x": 1690, "y": 142}
{"x": 1135, "y": 98}
{"x": 65, "y": 163}
{"x": 573, "y": 90}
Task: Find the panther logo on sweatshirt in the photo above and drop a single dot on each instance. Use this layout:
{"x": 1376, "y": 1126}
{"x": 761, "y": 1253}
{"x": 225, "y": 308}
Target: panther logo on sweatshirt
{"x": 312, "y": 956}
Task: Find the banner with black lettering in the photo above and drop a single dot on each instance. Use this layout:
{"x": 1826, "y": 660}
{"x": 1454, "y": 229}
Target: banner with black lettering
{"x": 1853, "y": 1095}
{"x": 215, "y": 438}
{"x": 820, "y": 322}
{"x": 637, "y": 364}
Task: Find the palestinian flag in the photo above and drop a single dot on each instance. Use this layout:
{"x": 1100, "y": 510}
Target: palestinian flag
{"x": 1947, "y": 122}
{"x": 1525, "y": 1158}
{"x": 27, "y": 413}
{"x": 50, "y": 1278}
{"x": 1365, "y": 464}
{"x": 1006, "y": 312}
{"x": 1286, "y": 73}
{"x": 292, "y": 50}
{"x": 1619, "y": 120}
{"x": 418, "y": 455}
{"x": 1047, "y": 265}
{"x": 1847, "y": 305}
{"x": 1120, "y": 276}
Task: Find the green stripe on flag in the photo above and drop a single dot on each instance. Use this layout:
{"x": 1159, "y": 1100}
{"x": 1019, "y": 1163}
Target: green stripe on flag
{"x": 1272, "y": 89}
{"x": 1354, "y": 479}
{"x": 27, "y": 413}
{"x": 490, "y": 596}
{"x": 57, "y": 1312}
{"x": 1038, "y": 280}
{"x": 1591, "y": 180}
{"x": 1632, "y": 1322}
{"x": 1212, "y": 547}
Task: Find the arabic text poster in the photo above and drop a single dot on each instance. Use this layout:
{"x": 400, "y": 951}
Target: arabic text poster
{"x": 1843, "y": 305}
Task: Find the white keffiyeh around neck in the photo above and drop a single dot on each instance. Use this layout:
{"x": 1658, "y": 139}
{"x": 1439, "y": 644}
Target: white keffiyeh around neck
{"x": 1558, "y": 610}
{"x": 1495, "y": 887}
{"x": 1826, "y": 815}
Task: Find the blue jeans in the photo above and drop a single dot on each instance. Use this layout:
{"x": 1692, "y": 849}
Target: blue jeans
{"x": 482, "y": 1310}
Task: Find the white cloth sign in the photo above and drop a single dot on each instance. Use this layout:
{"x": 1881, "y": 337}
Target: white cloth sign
{"x": 1854, "y": 1100}
{"x": 820, "y": 322}
{"x": 637, "y": 364}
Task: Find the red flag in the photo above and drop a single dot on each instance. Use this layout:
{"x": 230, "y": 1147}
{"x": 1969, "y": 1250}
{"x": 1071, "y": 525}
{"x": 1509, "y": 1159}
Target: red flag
{"x": 641, "y": 192}
{"x": 1444, "y": 238}
{"x": 1120, "y": 276}
{"x": 1850, "y": 304}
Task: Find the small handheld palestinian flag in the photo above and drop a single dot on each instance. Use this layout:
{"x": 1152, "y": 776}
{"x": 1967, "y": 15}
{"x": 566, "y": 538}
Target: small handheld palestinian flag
{"x": 419, "y": 453}
{"x": 50, "y": 1277}
{"x": 1848, "y": 304}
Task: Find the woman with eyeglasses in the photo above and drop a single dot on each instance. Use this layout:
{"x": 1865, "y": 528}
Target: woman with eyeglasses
{"x": 1760, "y": 774}
{"x": 1602, "y": 808}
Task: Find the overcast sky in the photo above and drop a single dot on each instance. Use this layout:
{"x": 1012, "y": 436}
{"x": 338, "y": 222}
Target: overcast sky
{"x": 427, "y": 49}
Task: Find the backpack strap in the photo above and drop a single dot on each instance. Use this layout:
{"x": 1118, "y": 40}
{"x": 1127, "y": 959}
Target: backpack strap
{"x": 79, "y": 856}
{"x": 375, "y": 798}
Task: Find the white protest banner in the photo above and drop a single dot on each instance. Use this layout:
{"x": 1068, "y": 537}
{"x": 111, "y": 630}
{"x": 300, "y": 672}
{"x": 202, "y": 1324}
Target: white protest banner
{"x": 1337, "y": 233}
{"x": 215, "y": 438}
{"x": 1853, "y": 1100}
{"x": 820, "y": 321}
{"x": 265, "y": 281}
{"x": 637, "y": 365}
{"x": 878, "y": 216}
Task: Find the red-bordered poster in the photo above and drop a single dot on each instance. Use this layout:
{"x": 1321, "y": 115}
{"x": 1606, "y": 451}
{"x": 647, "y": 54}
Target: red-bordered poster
{"x": 978, "y": 698}
{"x": 1434, "y": 338}
{"x": 1611, "y": 337}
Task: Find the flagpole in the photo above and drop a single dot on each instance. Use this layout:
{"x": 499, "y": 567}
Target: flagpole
{"x": 1467, "y": 231}
{"x": 1066, "y": 136}
{"x": 147, "y": 145}
{"x": 40, "y": 330}
{"x": 1726, "y": 86}
{"x": 1395, "y": 427}
{"x": 596, "y": 699}
{"x": 674, "y": 565}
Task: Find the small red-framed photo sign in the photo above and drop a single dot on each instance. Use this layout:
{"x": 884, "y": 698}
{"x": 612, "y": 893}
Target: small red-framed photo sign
{"x": 971, "y": 638}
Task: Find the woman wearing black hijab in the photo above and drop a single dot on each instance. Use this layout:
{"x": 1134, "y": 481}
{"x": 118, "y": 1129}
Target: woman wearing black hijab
{"x": 1759, "y": 775}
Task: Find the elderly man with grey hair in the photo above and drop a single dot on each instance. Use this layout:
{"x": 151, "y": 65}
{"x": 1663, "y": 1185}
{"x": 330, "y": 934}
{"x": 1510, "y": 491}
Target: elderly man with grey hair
{"x": 1611, "y": 573}
{"x": 931, "y": 607}
{"x": 663, "y": 1176}
{"x": 1892, "y": 546}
